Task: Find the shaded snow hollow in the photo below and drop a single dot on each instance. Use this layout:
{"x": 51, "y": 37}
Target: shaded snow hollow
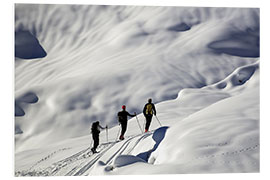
{"x": 200, "y": 66}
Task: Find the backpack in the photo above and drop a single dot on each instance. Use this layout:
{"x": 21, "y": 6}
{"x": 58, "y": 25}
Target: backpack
{"x": 149, "y": 109}
{"x": 94, "y": 128}
{"x": 120, "y": 117}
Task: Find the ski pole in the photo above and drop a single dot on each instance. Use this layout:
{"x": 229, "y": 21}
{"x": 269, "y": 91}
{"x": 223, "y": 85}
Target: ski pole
{"x": 158, "y": 120}
{"x": 139, "y": 123}
{"x": 107, "y": 133}
{"x": 91, "y": 144}
{"x": 118, "y": 133}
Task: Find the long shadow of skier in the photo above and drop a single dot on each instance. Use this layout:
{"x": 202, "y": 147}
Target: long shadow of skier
{"x": 158, "y": 136}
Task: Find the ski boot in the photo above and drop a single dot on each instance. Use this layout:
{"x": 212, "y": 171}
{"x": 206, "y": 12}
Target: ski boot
{"x": 93, "y": 150}
{"x": 121, "y": 137}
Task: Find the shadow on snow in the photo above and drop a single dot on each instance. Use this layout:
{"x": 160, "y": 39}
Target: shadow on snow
{"x": 158, "y": 136}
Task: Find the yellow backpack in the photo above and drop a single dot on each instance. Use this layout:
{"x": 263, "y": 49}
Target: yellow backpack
{"x": 149, "y": 109}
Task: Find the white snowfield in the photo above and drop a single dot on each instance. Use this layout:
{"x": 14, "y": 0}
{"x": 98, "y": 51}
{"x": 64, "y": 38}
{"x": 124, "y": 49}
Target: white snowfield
{"x": 199, "y": 65}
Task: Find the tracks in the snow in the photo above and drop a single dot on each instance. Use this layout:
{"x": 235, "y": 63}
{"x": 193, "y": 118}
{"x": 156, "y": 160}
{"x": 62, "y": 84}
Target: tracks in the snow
{"x": 81, "y": 162}
{"x": 120, "y": 151}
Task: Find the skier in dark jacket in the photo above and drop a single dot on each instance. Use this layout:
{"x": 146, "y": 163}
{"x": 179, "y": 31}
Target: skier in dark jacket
{"x": 122, "y": 118}
{"x": 148, "y": 111}
{"x": 95, "y": 130}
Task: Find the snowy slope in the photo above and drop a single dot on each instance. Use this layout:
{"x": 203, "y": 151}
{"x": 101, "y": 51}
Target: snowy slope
{"x": 200, "y": 65}
{"x": 219, "y": 138}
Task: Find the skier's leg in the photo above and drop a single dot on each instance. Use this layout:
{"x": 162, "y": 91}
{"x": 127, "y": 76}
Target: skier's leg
{"x": 96, "y": 143}
{"x": 122, "y": 131}
{"x": 93, "y": 149}
{"x": 148, "y": 122}
{"x": 124, "y": 128}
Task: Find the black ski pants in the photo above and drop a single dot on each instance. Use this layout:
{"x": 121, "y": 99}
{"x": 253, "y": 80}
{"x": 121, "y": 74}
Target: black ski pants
{"x": 148, "y": 121}
{"x": 96, "y": 140}
{"x": 124, "y": 128}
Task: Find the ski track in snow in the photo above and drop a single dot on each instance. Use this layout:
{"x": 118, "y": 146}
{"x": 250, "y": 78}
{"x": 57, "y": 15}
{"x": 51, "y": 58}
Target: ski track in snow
{"x": 79, "y": 163}
{"x": 47, "y": 157}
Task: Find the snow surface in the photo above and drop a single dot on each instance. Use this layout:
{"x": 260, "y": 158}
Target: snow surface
{"x": 199, "y": 65}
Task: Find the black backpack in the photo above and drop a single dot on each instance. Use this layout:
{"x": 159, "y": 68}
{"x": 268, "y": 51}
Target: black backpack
{"x": 94, "y": 128}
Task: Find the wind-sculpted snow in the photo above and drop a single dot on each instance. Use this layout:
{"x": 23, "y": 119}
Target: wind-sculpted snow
{"x": 97, "y": 58}
{"x": 27, "y": 46}
{"x": 217, "y": 138}
{"x": 211, "y": 130}
{"x": 238, "y": 78}
{"x": 244, "y": 44}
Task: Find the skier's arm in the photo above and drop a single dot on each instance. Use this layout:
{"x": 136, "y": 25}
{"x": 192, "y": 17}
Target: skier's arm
{"x": 144, "y": 110}
{"x": 119, "y": 117}
{"x": 131, "y": 115}
{"x": 154, "y": 109}
{"x": 102, "y": 127}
